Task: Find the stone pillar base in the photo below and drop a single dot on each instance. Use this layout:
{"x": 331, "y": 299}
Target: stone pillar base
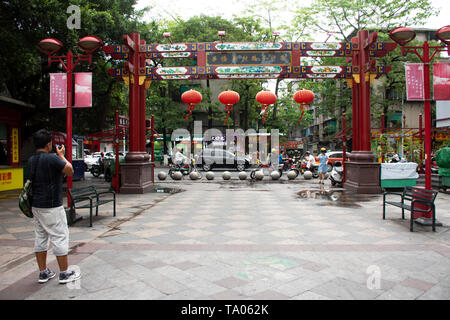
{"x": 362, "y": 174}
{"x": 136, "y": 178}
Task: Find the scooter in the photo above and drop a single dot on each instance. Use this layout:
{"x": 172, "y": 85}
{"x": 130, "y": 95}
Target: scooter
{"x": 98, "y": 168}
{"x": 185, "y": 169}
{"x": 337, "y": 174}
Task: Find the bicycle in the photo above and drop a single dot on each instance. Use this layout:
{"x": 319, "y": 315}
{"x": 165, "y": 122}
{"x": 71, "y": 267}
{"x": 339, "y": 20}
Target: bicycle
{"x": 259, "y": 167}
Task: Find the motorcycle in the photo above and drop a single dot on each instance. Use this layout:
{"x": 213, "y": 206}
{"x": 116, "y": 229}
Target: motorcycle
{"x": 185, "y": 169}
{"x": 337, "y": 174}
{"x": 98, "y": 168}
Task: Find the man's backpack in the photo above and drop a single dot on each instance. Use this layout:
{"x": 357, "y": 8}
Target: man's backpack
{"x": 26, "y": 195}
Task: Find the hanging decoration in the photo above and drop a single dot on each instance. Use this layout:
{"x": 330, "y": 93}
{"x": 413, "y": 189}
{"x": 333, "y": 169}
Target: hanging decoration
{"x": 265, "y": 98}
{"x": 191, "y": 97}
{"x": 228, "y": 98}
{"x": 303, "y": 97}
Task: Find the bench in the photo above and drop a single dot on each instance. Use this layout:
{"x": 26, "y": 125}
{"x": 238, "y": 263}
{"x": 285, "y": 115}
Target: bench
{"x": 409, "y": 200}
{"x": 90, "y": 197}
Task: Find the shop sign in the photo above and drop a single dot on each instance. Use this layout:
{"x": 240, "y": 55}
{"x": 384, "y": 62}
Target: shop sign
{"x": 15, "y": 145}
{"x": 11, "y": 178}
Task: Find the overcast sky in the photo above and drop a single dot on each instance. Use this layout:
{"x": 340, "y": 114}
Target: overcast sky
{"x": 226, "y": 8}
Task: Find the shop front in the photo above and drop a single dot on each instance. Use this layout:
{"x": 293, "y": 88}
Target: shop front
{"x": 12, "y": 113}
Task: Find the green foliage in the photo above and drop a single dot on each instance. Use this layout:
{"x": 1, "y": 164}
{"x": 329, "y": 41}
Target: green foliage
{"x": 348, "y": 16}
{"x": 25, "y": 73}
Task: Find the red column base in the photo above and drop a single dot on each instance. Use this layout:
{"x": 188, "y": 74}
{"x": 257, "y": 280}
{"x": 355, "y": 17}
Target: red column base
{"x": 136, "y": 178}
{"x": 362, "y": 173}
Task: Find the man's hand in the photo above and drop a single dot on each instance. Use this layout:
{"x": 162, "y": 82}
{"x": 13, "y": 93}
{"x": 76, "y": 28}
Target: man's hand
{"x": 61, "y": 151}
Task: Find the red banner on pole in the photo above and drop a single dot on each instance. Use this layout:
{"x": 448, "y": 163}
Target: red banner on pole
{"x": 441, "y": 81}
{"x": 83, "y": 89}
{"x": 58, "y": 90}
{"x": 414, "y": 81}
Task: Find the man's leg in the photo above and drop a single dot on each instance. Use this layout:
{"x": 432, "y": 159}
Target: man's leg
{"x": 62, "y": 262}
{"x": 41, "y": 258}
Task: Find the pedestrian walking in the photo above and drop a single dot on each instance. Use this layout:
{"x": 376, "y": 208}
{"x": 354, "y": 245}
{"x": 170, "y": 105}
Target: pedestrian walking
{"x": 49, "y": 215}
{"x": 323, "y": 168}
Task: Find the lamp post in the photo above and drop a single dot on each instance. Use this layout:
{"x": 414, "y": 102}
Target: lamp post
{"x": 403, "y": 35}
{"x": 50, "y": 46}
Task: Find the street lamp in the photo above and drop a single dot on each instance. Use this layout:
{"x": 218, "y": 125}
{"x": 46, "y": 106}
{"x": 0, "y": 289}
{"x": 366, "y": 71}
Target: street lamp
{"x": 49, "y": 47}
{"x": 403, "y": 35}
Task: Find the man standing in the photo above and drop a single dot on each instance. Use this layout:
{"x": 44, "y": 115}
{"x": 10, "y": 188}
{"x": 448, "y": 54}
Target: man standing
{"x": 47, "y": 206}
{"x": 310, "y": 160}
{"x": 180, "y": 158}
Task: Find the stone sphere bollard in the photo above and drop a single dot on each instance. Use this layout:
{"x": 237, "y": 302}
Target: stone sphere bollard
{"x": 275, "y": 175}
{"x": 292, "y": 175}
{"x": 162, "y": 175}
{"x": 177, "y": 175}
{"x": 193, "y": 175}
{"x": 226, "y": 175}
{"x": 307, "y": 175}
{"x": 242, "y": 175}
{"x": 259, "y": 175}
{"x": 210, "y": 175}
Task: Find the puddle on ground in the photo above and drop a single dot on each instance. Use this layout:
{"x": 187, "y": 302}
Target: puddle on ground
{"x": 341, "y": 198}
{"x": 167, "y": 190}
{"x": 238, "y": 186}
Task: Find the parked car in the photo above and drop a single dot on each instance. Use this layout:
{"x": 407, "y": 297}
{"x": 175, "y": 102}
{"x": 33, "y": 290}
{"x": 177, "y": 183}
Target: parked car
{"x": 334, "y": 156}
{"x": 219, "y": 158}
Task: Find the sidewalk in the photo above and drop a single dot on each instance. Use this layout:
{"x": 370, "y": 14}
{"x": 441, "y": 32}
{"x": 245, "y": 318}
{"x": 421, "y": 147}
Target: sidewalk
{"x": 238, "y": 240}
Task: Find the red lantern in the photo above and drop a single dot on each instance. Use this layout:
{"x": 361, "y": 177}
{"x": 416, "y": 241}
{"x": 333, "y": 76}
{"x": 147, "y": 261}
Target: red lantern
{"x": 303, "y": 97}
{"x": 228, "y": 98}
{"x": 266, "y": 98}
{"x": 191, "y": 97}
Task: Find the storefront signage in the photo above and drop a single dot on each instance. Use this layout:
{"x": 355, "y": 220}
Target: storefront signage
{"x": 246, "y": 58}
{"x": 15, "y": 146}
{"x": 11, "y": 178}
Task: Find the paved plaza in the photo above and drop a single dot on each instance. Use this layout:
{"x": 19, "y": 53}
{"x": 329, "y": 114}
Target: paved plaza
{"x": 237, "y": 240}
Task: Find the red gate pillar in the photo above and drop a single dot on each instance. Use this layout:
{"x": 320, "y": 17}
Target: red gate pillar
{"x": 136, "y": 175}
{"x": 363, "y": 174}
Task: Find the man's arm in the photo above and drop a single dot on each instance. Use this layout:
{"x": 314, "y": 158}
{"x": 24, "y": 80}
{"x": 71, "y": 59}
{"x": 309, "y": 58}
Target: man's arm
{"x": 68, "y": 169}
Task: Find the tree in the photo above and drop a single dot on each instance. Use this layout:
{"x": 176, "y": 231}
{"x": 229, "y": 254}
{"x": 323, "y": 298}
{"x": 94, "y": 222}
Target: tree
{"x": 347, "y": 17}
{"x": 344, "y": 18}
{"x": 25, "y": 74}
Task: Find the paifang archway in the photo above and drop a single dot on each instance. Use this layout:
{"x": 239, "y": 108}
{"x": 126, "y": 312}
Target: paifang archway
{"x": 251, "y": 60}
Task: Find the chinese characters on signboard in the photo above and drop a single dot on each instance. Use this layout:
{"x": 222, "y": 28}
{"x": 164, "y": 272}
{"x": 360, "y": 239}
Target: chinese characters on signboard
{"x": 248, "y": 58}
{"x": 83, "y": 89}
{"x": 441, "y": 81}
{"x": 414, "y": 81}
{"x": 58, "y": 90}
{"x": 15, "y": 146}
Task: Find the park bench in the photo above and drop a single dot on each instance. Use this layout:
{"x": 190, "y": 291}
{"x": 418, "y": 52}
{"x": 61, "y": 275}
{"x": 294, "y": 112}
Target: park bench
{"x": 415, "y": 200}
{"x": 90, "y": 197}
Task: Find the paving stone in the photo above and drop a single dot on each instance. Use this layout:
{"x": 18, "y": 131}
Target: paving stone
{"x": 310, "y": 296}
{"x": 400, "y": 292}
{"x": 342, "y": 289}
